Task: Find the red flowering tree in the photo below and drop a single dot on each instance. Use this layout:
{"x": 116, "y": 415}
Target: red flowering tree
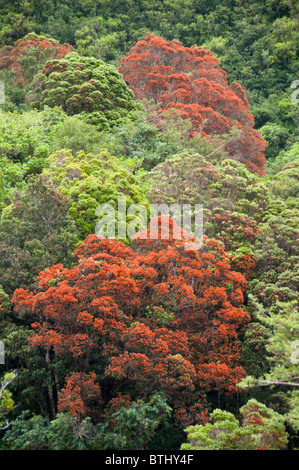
{"x": 191, "y": 81}
{"x": 158, "y": 317}
{"x": 81, "y": 395}
{"x": 29, "y": 54}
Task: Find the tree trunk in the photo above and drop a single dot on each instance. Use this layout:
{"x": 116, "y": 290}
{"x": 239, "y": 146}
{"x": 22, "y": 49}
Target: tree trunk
{"x": 50, "y": 388}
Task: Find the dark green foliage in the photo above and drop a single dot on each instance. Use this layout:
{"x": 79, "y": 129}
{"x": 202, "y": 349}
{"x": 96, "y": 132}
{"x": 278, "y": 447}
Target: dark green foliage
{"x": 254, "y": 349}
{"x": 233, "y": 199}
{"x": 276, "y": 273}
{"x": 39, "y": 433}
{"x": 86, "y": 142}
{"x": 133, "y": 427}
{"x": 273, "y": 301}
{"x": 36, "y": 231}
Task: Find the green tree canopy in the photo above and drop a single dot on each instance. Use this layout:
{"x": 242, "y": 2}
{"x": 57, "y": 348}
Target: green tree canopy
{"x": 261, "y": 429}
{"x": 36, "y": 231}
{"x": 89, "y": 180}
{"x": 83, "y": 85}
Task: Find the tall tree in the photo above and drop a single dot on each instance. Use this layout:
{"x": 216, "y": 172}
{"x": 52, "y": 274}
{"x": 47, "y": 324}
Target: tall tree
{"x": 157, "y": 318}
{"x": 19, "y": 63}
{"x": 191, "y": 81}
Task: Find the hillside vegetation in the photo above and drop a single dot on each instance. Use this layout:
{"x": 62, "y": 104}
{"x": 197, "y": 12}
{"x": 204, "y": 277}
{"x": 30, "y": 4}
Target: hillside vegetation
{"x": 166, "y": 342}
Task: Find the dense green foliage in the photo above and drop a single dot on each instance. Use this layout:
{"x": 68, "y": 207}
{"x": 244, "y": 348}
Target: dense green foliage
{"x": 90, "y": 180}
{"x": 233, "y": 199}
{"x": 36, "y": 231}
{"x": 141, "y": 343}
{"x": 83, "y": 85}
{"x": 256, "y": 42}
{"x": 261, "y": 429}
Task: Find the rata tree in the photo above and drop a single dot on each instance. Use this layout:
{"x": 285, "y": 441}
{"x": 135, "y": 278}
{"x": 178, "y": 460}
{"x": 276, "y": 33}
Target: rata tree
{"x": 85, "y": 86}
{"x": 199, "y": 279}
{"x": 156, "y": 318}
{"x": 81, "y": 395}
{"x": 191, "y": 81}
{"x": 20, "y": 62}
{"x": 233, "y": 200}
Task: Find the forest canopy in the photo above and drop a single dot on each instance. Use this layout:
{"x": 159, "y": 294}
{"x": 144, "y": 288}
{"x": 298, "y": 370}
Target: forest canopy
{"x": 164, "y": 339}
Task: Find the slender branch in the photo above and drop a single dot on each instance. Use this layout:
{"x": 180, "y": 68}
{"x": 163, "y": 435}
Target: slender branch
{"x": 266, "y": 383}
{"x": 5, "y": 383}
